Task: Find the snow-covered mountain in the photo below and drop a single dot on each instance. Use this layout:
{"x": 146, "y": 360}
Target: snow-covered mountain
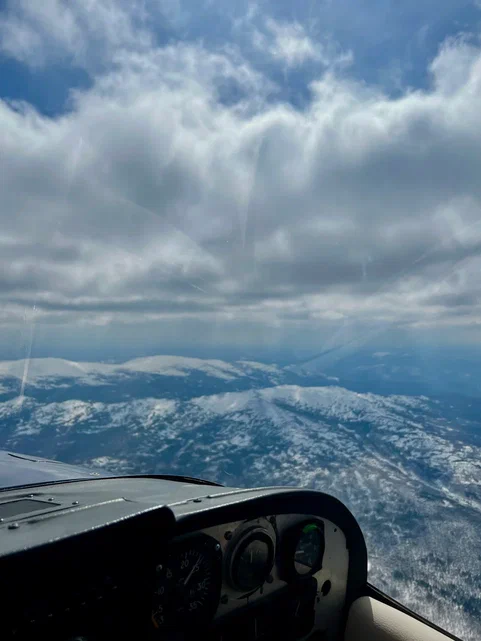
{"x": 38, "y": 371}
{"x": 409, "y": 467}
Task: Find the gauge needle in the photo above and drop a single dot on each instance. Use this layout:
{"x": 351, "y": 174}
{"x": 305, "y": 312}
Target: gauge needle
{"x": 194, "y": 567}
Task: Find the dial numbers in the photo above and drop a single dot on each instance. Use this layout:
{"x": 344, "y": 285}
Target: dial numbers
{"x": 187, "y": 585}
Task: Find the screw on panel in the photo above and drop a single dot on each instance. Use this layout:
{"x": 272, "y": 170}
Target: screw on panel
{"x": 197, "y": 500}
{"x": 50, "y": 498}
{"x": 159, "y": 568}
{"x": 217, "y": 547}
{"x": 74, "y": 502}
{"x": 270, "y": 578}
{"x": 228, "y": 535}
{"x": 13, "y": 526}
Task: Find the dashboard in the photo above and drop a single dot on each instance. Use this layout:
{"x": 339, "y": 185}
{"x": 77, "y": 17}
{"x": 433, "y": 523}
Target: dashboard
{"x": 147, "y": 558}
{"x": 289, "y": 571}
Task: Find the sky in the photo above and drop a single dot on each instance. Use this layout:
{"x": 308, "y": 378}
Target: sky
{"x": 196, "y": 175}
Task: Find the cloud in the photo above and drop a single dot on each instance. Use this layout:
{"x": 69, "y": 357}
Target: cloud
{"x": 87, "y": 32}
{"x": 289, "y": 44}
{"x": 179, "y": 187}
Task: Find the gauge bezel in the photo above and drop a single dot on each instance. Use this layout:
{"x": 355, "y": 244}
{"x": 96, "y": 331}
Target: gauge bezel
{"x": 255, "y": 533}
{"x": 289, "y": 544}
{"x": 202, "y": 543}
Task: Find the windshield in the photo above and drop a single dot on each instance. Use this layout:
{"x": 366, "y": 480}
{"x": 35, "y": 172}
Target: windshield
{"x": 241, "y": 241}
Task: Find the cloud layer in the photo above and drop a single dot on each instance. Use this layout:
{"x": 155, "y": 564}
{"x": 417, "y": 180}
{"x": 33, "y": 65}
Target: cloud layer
{"x": 181, "y": 185}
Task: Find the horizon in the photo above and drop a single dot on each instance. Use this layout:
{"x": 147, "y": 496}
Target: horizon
{"x": 288, "y": 356}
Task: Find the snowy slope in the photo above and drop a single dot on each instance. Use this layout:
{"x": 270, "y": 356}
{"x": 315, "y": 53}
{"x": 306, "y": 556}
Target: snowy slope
{"x": 46, "y": 368}
{"x": 181, "y": 366}
{"x": 38, "y": 371}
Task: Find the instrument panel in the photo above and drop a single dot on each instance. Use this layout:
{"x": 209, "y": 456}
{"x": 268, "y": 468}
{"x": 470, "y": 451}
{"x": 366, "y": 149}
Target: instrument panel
{"x": 289, "y": 570}
{"x": 162, "y": 560}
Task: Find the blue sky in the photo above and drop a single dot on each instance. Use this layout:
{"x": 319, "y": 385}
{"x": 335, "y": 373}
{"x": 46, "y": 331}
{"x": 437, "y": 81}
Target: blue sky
{"x": 392, "y": 43}
{"x": 251, "y": 173}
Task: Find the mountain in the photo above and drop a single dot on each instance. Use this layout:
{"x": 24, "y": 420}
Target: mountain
{"x": 57, "y": 379}
{"x": 412, "y": 371}
{"x": 409, "y": 467}
{"x": 38, "y": 369}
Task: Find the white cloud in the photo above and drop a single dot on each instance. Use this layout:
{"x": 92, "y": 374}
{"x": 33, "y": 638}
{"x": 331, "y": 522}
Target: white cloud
{"x": 174, "y": 188}
{"x": 289, "y": 44}
{"x": 453, "y": 67}
{"x": 88, "y": 31}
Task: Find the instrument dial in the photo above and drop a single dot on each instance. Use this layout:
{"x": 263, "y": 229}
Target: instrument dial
{"x": 187, "y": 585}
{"x": 303, "y": 550}
{"x": 309, "y": 549}
{"x": 251, "y": 560}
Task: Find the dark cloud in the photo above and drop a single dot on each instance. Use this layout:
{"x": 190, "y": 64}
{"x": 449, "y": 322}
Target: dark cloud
{"x": 124, "y": 305}
{"x": 463, "y": 300}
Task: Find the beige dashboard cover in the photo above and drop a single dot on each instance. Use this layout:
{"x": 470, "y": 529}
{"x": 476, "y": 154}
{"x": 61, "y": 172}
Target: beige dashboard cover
{"x": 371, "y": 620}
